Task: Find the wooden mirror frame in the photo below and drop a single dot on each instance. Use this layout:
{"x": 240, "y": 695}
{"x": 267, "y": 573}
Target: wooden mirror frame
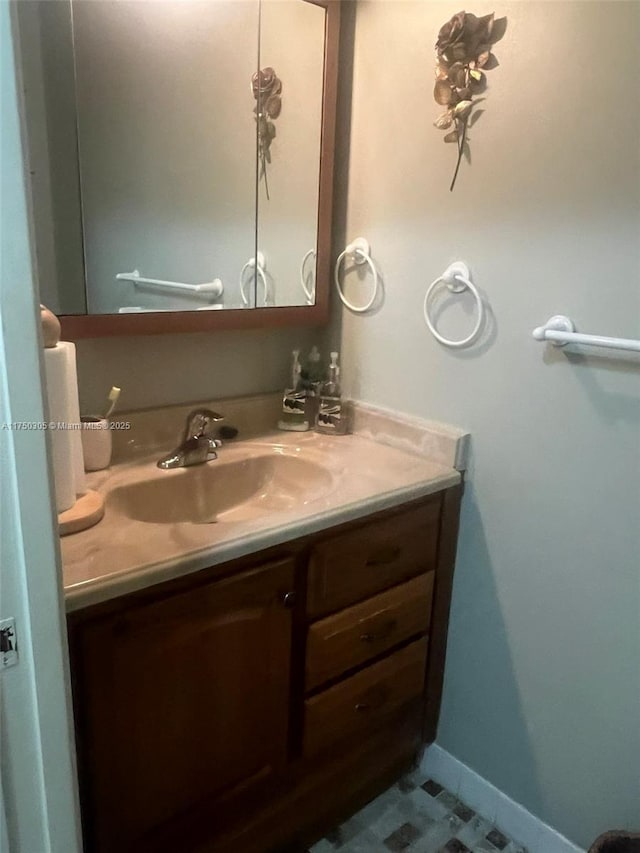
{"x": 77, "y": 326}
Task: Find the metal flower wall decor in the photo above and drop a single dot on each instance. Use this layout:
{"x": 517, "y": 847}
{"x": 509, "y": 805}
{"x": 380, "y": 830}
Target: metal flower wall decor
{"x": 266, "y": 87}
{"x": 463, "y": 56}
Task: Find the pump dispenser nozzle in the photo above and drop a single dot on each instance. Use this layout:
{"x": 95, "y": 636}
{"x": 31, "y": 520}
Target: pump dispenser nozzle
{"x": 334, "y": 370}
{"x": 296, "y": 369}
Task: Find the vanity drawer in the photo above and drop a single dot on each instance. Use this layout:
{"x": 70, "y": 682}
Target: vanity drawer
{"x": 352, "y": 636}
{"x": 356, "y": 706}
{"x": 354, "y": 565}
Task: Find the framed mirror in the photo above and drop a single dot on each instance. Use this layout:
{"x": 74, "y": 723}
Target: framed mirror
{"x": 181, "y": 154}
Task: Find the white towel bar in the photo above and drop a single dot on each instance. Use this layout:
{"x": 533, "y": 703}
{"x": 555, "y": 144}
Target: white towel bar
{"x": 560, "y": 330}
{"x": 209, "y": 288}
{"x": 137, "y": 309}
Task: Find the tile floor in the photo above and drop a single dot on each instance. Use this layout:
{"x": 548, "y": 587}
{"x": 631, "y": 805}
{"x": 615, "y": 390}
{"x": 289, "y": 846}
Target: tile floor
{"x": 417, "y": 816}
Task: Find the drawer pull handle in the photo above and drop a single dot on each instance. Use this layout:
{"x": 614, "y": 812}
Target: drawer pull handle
{"x": 386, "y": 555}
{"x": 289, "y": 599}
{"x": 381, "y": 634}
{"x": 373, "y": 699}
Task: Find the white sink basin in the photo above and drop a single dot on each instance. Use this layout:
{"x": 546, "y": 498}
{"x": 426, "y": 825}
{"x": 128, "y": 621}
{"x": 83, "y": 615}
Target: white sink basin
{"x": 232, "y": 490}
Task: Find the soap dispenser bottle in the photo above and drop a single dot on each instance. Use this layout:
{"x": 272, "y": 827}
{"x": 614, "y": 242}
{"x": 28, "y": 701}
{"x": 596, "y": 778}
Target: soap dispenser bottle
{"x": 331, "y": 418}
{"x": 294, "y": 399}
{"x": 314, "y": 368}
{"x": 311, "y": 382}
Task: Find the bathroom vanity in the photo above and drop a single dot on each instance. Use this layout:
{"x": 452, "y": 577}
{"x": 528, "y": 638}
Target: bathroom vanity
{"x": 253, "y": 692}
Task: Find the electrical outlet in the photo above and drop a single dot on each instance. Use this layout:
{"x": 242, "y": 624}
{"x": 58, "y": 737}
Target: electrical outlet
{"x": 8, "y": 643}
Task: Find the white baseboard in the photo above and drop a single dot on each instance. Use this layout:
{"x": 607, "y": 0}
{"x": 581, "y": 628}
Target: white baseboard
{"x": 510, "y": 817}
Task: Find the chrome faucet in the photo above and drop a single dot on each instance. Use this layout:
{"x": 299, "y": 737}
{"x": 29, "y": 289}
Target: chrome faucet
{"x": 198, "y": 444}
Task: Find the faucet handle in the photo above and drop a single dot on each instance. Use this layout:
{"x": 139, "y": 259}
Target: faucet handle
{"x": 199, "y": 421}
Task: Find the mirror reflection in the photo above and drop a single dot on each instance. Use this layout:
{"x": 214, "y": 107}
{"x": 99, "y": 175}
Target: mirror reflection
{"x": 198, "y": 151}
{"x": 288, "y": 190}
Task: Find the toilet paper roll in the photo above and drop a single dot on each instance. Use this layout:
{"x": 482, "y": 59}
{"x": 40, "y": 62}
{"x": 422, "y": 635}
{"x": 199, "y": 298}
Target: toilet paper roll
{"x": 60, "y": 413}
{"x": 74, "y": 415}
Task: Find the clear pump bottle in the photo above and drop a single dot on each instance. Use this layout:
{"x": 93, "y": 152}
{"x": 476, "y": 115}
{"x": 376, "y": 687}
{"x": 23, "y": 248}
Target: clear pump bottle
{"x": 331, "y": 419}
{"x": 293, "y": 415}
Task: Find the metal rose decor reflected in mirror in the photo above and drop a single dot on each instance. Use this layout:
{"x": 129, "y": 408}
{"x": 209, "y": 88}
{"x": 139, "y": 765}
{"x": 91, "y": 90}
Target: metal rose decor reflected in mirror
{"x": 193, "y": 181}
{"x": 266, "y": 88}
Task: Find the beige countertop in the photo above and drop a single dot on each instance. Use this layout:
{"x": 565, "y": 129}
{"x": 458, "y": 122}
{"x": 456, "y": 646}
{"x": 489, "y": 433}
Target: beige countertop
{"x": 121, "y": 554}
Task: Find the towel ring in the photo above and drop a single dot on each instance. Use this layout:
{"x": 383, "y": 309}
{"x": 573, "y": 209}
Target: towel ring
{"x": 456, "y": 278}
{"x": 251, "y": 264}
{"x": 360, "y": 253}
{"x": 309, "y": 292}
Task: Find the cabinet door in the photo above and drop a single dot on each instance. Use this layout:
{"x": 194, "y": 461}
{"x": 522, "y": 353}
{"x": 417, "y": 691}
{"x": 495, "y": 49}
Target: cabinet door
{"x": 182, "y": 706}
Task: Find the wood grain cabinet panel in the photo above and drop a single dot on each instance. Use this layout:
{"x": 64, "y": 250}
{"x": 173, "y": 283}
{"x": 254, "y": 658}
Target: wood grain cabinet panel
{"x": 184, "y": 700}
{"x": 353, "y": 636}
{"x": 356, "y": 706}
{"x": 255, "y": 704}
{"x": 351, "y": 566}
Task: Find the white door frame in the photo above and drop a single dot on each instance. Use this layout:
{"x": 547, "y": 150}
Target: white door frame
{"x": 38, "y": 782}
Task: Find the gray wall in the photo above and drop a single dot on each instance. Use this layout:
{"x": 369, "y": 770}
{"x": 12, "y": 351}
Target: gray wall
{"x": 542, "y": 693}
{"x": 162, "y": 369}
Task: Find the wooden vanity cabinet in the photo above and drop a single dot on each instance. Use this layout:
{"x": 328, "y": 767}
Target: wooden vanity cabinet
{"x": 257, "y": 703}
{"x": 182, "y": 700}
